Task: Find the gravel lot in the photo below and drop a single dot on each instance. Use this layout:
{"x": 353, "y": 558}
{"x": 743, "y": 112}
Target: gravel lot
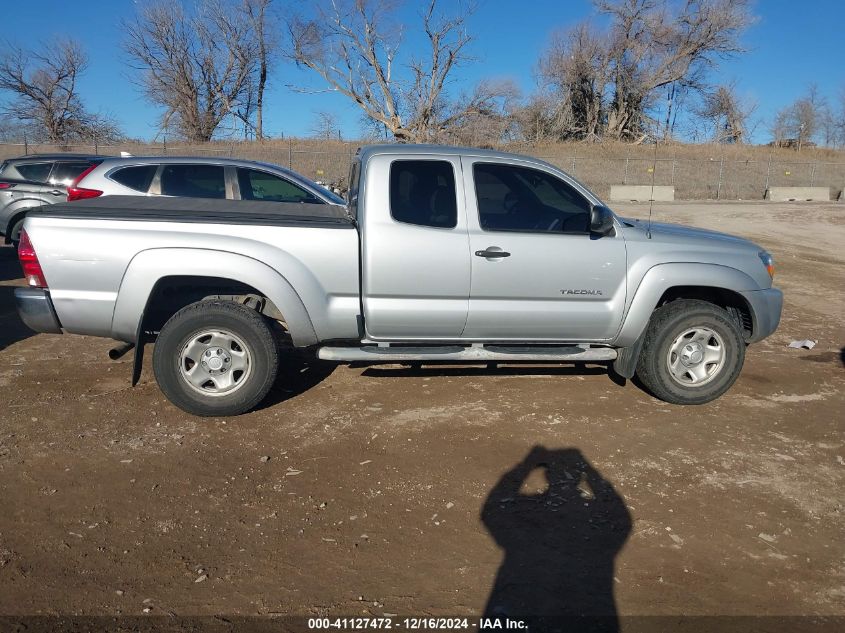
{"x": 416, "y": 491}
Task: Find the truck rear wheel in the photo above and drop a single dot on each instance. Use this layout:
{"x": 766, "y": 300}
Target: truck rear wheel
{"x": 216, "y": 358}
{"x": 692, "y": 353}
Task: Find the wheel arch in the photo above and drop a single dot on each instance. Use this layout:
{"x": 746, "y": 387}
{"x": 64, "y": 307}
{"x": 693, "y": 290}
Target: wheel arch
{"x": 730, "y": 300}
{"x": 156, "y": 280}
{"x": 18, "y": 212}
{"x": 720, "y": 285}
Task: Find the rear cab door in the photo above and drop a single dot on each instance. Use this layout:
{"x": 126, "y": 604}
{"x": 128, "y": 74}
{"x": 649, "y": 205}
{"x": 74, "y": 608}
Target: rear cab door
{"x": 415, "y": 249}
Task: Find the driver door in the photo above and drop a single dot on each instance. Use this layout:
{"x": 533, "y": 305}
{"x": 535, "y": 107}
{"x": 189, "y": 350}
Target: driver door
{"x": 538, "y": 274}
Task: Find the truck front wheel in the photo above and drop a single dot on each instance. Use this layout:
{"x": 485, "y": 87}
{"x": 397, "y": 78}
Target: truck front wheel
{"x": 215, "y": 358}
{"x": 692, "y": 353}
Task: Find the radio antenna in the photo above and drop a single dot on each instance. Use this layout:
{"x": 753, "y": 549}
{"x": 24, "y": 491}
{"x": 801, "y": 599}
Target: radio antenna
{"x": 651, "y": 197}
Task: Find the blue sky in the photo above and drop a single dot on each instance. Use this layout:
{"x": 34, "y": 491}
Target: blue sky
{"x": 792, "y": 45}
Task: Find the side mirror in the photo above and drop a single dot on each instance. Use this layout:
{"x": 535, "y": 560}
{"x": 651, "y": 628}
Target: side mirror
{"x": 601, "y": 220}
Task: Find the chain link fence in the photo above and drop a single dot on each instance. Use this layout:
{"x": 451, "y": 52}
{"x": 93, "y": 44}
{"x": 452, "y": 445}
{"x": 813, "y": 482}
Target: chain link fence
{"x": 693, "y": 178}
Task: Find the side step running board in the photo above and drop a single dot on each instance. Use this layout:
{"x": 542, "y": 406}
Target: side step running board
{"x": 459, "y": 353}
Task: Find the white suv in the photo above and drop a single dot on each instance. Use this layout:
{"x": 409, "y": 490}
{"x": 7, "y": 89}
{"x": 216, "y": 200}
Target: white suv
{"x": 192, "y": 177}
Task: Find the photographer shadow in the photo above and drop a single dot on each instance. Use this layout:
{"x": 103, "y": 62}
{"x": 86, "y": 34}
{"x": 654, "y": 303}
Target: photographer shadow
{"x": 559, "y": 543}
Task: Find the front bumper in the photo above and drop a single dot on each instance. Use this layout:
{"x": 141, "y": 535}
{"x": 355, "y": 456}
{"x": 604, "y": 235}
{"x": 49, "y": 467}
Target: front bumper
{"x": 36, "y": 310}
{"x": 766, "y": 306}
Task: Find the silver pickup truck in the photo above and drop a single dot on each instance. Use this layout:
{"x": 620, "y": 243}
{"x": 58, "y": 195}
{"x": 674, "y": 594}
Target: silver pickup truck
{"x": 441, "y": 255}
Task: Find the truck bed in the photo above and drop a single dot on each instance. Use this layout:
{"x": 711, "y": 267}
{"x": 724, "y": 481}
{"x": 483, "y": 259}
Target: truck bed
{"x": 199, "y": 210}
{"x": 103, "y": 257}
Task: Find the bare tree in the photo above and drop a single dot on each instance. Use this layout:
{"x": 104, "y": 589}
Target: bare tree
{"x": 267, "y": 41}
{"x": 542, "y": 118}
{"x": 778, "y": 126}
{"x": 575, "y": 69}
{"x": 801, "y": 121}
{"x": 839, "y": 118}
{"x": 199, "y": 67}
{"x": 486, "y": 114}
{"x": 653, "y": 47}
{"x": 727, "y": 113}
{"x": 608, "y": 82}
{"x": 807, "y": 114}
{"x": 10, "y": 130}
{"x": 46, "y": 100}
{"x": 354, "y": 46}
{"x": 326, "y": 127}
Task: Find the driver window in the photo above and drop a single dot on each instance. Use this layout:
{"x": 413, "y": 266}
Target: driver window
{"x": 512, "y": 198}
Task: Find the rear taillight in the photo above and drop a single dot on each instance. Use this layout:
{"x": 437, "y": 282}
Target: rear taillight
{"x": 6, "y": 185}
{"x": 75, "y": 192}
{"x": 78, "y": 193}
{"x": 29, "y": 262}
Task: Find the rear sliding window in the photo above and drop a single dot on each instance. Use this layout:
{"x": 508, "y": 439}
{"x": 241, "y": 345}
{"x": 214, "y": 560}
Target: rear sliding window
{"x": 193, "y": 181}
{"x": 39, "y": 172}
{"x": 354, "y": 181}
{"x": 422, "y": 192}
{"x": 66, "y": 173}
{"x": 136, "y": 178}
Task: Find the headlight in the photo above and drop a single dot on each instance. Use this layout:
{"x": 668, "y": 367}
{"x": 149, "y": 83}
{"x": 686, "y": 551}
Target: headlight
{"x": 768, "y": 262}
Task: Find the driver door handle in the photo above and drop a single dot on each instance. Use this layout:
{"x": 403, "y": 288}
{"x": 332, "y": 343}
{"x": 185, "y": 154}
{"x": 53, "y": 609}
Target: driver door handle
{"x": 488, "y": 253}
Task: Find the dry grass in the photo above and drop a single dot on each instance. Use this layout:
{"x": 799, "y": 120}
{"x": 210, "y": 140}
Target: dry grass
{"x": 697, "y": 171}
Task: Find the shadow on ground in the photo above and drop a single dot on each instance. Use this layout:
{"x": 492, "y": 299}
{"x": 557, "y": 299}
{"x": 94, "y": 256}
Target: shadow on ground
{"x": 10, "y": 267}
{"x": 560, "y": 539}
{"x": 12, "y": 328}
{"x": 298, "y": 372}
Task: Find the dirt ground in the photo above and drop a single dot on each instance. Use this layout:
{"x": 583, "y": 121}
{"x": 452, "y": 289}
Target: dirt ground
{"x": 417, "y": 491}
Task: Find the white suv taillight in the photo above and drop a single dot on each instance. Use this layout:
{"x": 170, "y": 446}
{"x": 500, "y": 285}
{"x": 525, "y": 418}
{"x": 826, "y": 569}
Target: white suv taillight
{"x": 75, "y": 192}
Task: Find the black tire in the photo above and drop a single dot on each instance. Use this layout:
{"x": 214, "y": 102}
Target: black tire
{"x": 664, "y": 356}
{"x": 245, "y": 328}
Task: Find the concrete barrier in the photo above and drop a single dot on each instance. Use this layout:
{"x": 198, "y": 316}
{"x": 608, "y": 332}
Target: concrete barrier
{"x": 792, "y": 194}
{"x": 642, "y": 193}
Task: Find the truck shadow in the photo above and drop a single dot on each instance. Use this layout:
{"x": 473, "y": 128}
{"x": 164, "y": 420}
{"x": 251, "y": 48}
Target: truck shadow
{"x": 560, "y": 544}
{"x": 12, "y": 328}
{"x": 298, "y": 372}
{"x": 10, "y": 267}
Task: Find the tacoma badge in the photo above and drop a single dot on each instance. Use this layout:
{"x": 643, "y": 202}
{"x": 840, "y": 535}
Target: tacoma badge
{"x": 569, "y": 291}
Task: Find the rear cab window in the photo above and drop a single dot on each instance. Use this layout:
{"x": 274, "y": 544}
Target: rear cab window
{"x": 423, "y": 192}
{"x": 354, "y": 185}
{"x": 260, "y": 185}
{"x": 194, "y": 181}
{"x": 138, "y": 178}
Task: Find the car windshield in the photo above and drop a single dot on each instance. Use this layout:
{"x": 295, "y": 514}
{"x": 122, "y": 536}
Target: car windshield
{"x": 331, "y": 195}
